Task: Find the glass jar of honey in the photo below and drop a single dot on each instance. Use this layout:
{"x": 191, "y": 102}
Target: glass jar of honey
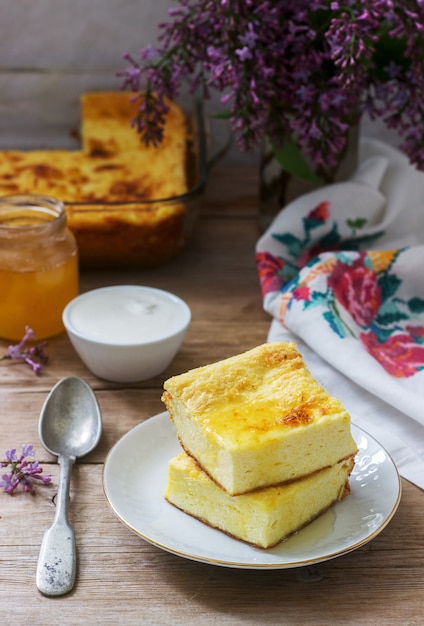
{"x": 38, "y": 265}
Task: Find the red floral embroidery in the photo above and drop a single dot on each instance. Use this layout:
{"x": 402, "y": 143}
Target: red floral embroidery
{"x": 321, "y": 213}
{"x": 302, "y": 293}
{"x": 400, "y": 355}
{"x": 268, "y": 268}
{"x": 364, "y": 284}
{"x": 415, "y": 331}
{"x": 355, "y": 286}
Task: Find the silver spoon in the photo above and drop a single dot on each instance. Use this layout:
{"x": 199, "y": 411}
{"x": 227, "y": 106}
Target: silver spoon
{"x": 70, "y": 426}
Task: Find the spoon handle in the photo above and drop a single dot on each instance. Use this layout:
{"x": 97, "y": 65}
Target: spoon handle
{"x": 57, "y": 560}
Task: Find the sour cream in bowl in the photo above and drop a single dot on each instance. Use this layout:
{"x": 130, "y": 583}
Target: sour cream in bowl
{"x": 126, "y": 333}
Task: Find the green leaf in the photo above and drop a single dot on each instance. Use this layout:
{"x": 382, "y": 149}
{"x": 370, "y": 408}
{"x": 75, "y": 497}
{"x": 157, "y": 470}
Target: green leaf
{"x": 357, "y": 223}
{"x": 290, "y": 157}
{"x": 292, "y": 243}
{"x": 391, "y": 317}
{"x": 319, "y": 298}
{"x": 389, "y": 284}
{"x": 335, "y": 324}
{"x": 416, "y": 305}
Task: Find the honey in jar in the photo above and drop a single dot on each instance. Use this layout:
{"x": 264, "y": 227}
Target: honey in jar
{"x": 38, "y": 265}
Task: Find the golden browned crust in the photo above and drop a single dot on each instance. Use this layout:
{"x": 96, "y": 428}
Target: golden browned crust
{"x": 258, "y": 418}
{"x": 257, "y": 426}
{"x": 109, "y": 184}
{"x": 267, "y": 389}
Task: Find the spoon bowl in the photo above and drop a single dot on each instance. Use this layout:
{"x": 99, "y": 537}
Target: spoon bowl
{"x": 70, "y": 422}
{"x": 70, "y": 426}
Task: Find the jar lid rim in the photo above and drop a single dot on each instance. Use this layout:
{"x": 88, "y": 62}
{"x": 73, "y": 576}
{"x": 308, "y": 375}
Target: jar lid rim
{"x": 30, "y": 212}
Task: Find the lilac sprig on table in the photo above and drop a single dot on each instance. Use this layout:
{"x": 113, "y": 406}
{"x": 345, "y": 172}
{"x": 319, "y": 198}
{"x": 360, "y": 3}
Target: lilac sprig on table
{"x": 34, "y": 355}
{"x": 300, "y": 69}
{"x": 21, "y": 470}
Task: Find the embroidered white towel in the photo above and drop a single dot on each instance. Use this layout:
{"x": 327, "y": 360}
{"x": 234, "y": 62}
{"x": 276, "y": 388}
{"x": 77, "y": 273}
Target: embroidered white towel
{"x": 342, "y": 274}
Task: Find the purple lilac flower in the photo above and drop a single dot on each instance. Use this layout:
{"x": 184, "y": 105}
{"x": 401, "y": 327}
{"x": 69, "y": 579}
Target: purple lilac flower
{"x": 21, "y": 471}
{"x": 307, "y": 69}
{"x": 11, "y": 455}
{"x": 34, "y": 356}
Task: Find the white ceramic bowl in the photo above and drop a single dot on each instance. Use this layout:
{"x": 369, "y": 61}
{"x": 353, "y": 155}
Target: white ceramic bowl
{"x": 126, "y": 333}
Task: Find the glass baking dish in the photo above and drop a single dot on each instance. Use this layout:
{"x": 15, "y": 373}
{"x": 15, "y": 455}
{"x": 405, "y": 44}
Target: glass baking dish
{"x": 150, "y": 232}
{"x": 143, "y": 233}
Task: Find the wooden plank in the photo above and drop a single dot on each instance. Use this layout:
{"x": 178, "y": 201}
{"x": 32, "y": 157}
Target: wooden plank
{"x": 380, "y": 580}
{"x": 121, "y": 578}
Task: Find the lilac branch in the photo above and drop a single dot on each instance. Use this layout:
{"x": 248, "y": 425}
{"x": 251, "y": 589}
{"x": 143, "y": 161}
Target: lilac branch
{"x": 34, "y": 356}
{"x": 21, "y": 471}
{"x": 306, "y": 69}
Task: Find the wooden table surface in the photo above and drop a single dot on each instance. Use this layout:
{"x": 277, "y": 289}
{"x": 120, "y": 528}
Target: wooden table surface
{"x": 122, "y": 579}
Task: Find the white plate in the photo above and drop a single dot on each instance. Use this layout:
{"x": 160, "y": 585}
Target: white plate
{"x": 134, "y": 480}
